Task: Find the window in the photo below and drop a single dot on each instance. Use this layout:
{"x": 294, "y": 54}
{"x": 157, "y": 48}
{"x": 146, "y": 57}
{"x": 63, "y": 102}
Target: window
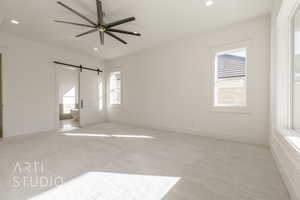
{"x": 295, "y": 108}
{"x": 69, "y": 100}
{"x": 100, "y": 92}
{"x": 230, "y": 81}
{"x": 115, "y": 88}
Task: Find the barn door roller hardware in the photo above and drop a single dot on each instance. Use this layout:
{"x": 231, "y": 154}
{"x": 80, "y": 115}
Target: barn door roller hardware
{"x": 79, "y": 67}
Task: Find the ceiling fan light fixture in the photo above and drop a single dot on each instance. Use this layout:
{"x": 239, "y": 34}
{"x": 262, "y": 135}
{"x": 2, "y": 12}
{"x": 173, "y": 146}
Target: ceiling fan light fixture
{"x": 209, "y": 3}
{"x": 102, "y": 29}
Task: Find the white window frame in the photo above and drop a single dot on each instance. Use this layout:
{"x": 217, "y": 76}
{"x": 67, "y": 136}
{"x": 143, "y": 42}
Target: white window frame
{"x": 226, "y": 48}
{"x": 292, "y": 79}
{"x": 121, "y": 89}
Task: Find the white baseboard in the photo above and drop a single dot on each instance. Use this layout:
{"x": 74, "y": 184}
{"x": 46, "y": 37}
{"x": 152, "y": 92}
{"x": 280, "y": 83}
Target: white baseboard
{"x": 27, "y": 134}
{"x": 95, "y": 123}
{"x": 193, "y": 132}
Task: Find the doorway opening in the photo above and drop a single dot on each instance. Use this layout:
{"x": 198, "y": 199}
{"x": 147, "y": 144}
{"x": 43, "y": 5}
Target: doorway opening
{"x": 68, "y": 98}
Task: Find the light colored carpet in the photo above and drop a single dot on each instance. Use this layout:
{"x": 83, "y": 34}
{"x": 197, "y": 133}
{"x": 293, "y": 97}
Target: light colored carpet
{"x": 117, "y": 162}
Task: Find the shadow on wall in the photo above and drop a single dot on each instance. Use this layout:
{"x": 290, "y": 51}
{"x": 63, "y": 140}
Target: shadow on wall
{"x": 68, "y": 104}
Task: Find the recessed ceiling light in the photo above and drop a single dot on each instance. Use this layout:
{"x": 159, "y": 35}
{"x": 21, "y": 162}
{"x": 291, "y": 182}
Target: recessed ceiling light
{"x": 95, "y": 49}
{"x": 14, "y": 21}
{"x": 209, "y": 3}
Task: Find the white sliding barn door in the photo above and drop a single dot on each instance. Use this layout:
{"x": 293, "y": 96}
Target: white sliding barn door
{"x": 90, "y": 110}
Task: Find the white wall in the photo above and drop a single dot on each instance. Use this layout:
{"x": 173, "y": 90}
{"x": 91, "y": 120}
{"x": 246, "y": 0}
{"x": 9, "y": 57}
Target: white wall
{"x": 29, "y": 91}
{"x": 171, "y": 87}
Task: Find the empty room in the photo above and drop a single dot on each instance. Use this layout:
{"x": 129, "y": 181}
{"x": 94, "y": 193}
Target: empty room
{"x": 150, "y": 100}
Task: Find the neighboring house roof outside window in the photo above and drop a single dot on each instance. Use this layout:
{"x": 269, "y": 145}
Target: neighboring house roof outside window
{"x": 230, "y": 66}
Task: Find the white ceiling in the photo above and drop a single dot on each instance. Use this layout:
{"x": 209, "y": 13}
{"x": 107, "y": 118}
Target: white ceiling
{"x": 159, "y": 21}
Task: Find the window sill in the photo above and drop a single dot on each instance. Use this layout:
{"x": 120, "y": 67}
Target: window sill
{"x": 289, "y": 141}
{"x": 292, "y": 138}
{"x": 237, "y": 110}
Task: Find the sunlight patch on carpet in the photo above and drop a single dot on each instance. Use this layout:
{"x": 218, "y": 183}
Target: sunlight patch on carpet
{"x": 108, "y": 136}
{"x": 111, "y": 186}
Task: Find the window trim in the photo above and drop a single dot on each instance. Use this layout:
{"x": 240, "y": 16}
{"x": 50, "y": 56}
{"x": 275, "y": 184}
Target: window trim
{"x": 121, "y": 89}
{"x": 101, "y": 105}
{"x": 292, "y": 79}
{"x": 224, "y": 48}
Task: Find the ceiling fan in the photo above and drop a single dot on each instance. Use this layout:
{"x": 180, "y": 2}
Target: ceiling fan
{"x": 100, "y": 26}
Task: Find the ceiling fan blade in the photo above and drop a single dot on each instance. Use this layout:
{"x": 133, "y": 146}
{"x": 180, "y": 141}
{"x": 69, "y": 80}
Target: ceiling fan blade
{"x": 99, "y": 12}
{"x": 88, "y": 32}
{"x": 77, "y": 13}
{"x": 101, "y": 37}
{"x": 116, "y": 37}
{"x": 72, "y": 23}
{"x": 116, "y": 23}
{"x": 123, "y": 31}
